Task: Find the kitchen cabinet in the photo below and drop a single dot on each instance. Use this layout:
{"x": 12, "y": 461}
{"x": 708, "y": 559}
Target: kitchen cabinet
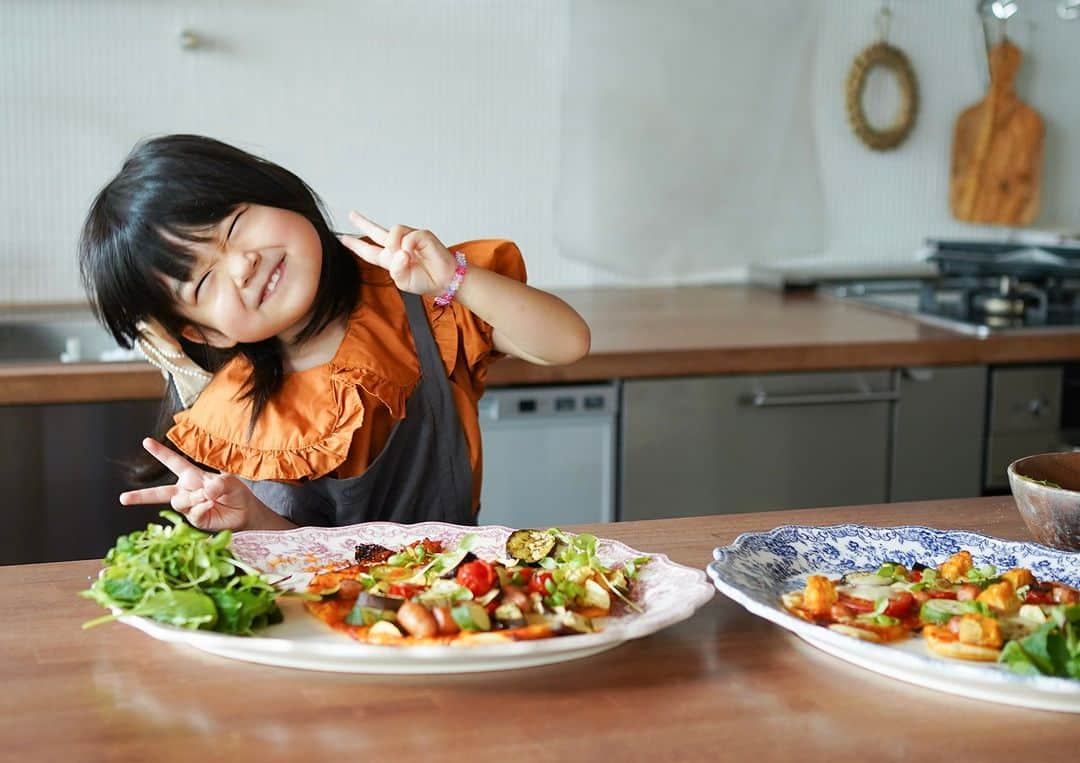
{"x": 1024, "y": 417}
{"x": 725, "y": 444}
{"x": 939, "y": 427}
{"x": 716, "y": 445}
{"x": 62, "y": 467}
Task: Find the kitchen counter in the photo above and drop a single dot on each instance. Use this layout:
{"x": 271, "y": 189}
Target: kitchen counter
{"x": 657, "y": 332}
{"x": 722, "y": 684}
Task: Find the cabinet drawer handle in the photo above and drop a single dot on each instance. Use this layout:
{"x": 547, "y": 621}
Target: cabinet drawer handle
{"x": 763, "y": 400}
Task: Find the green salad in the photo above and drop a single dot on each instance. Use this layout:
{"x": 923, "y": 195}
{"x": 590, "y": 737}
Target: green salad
{"x": 1052, "y": 650}
{"x": 184, "y": 577}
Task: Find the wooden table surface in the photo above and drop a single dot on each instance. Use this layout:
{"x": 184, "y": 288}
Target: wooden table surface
{"x": 723, "y": 685}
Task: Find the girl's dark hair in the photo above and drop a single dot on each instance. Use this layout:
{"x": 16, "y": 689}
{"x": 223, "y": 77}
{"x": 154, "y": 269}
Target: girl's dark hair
{"x": 173, "y": 191}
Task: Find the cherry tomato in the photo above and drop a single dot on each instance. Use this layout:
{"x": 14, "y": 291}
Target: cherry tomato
{"x": 524, "y": 574}
{"x": 841, "y": 612}
{"x": 538, "y": 583}
{"x": 478, "y": 577}
{"x": 900, "y": 604}
{"x": 403, "y": 590}
{"x": 915, "y": 576}
{"x": 1040, "y": 594}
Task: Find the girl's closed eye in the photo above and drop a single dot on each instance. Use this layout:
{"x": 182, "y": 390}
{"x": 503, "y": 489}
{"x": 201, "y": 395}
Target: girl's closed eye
{"x": 224, "y": 244}
{"x": 198, "y": 286}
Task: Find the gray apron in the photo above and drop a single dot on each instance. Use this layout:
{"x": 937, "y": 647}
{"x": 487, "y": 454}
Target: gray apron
{"x": 423, "y": 472}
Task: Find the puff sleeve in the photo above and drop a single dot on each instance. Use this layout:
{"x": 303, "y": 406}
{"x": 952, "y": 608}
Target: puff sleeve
{"x": 462, "y": 337}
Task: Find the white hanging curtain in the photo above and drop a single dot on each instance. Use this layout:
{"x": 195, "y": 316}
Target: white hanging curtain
{"x": 687, "y": 146}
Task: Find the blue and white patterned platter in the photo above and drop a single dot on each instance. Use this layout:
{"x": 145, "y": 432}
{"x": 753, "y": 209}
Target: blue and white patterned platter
{"x": 758, "y": 568}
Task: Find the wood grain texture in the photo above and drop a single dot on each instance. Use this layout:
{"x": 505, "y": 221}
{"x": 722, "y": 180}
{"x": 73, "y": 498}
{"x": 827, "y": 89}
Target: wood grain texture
{"x": 998, "y": 151}
{"x": 78, "y": 382}
{"x": 722, "y": 685}
{"x": 656, "y": 333}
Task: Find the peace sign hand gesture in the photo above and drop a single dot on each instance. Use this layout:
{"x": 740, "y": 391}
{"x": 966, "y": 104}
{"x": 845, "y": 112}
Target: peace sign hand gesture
{"x": 416, "y": 260}
{"x": 209, "y": 500}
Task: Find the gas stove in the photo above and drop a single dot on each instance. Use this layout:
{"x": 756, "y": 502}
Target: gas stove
{"x": 983, "y": 289}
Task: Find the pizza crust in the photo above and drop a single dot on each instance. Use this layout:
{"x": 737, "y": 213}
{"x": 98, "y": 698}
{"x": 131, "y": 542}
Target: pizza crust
{"x": 940, "y": 640}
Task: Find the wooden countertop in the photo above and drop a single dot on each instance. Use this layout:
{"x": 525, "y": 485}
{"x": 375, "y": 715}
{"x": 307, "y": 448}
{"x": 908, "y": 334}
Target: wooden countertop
{"x": 658, "y": 332}
{"x": 722, "y": 685}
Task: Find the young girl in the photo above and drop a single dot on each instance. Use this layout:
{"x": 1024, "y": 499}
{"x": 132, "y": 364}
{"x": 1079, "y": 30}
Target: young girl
{"x": 314, "y": 378}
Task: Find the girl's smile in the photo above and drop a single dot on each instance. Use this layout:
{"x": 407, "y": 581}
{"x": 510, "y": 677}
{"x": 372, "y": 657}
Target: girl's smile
{"x": 272, "y": 282}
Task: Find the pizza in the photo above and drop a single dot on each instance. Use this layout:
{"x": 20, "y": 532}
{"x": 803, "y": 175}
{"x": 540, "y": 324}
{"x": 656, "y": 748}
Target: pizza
{"x": 960, "y": 610}
{"x": 549, "y": 583}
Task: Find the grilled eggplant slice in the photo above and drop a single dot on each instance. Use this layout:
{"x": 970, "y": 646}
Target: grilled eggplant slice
{"x": 382, "y": 603}
{"x": 530, "y": 546}
{"x": 372, "y": 552}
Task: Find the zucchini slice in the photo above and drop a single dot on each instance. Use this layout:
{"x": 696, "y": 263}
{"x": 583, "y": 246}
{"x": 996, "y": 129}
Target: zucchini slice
{"x": 470, "y": 616}
{"x": 530, "y": 546}
{"x": 940, "y": 611}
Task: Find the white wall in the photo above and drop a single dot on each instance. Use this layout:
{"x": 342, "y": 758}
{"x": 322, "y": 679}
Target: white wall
{"x": 447, "y": 115}
{"x": 438, "y": 114}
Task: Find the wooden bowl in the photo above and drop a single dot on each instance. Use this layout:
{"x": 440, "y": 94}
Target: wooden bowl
{"x": 1047, "y": 492}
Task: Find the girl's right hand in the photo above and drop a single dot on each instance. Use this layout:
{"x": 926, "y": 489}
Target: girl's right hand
{"x": 209, "y": 500}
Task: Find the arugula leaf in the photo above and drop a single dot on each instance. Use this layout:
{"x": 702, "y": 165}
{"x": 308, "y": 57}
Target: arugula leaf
{"x": 1014, "y": 657}
{"x": 123, "y": 589}
{"x": 1052, "y": 650}
{"x": 184, "y": 577}
{"x": 182, "y": 608}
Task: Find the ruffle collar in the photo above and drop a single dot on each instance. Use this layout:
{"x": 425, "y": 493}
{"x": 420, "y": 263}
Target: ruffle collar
{"x": 305, "y": 431}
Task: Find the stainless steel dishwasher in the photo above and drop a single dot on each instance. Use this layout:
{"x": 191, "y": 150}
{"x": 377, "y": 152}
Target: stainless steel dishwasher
{"x": 549, "y": 455}
{"x": 729, "y": 444}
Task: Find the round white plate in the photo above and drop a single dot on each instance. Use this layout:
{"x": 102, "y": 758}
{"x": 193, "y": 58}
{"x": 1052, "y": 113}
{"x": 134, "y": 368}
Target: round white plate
{"x": 758, "y": 568}
{"x": 668, "y": 593}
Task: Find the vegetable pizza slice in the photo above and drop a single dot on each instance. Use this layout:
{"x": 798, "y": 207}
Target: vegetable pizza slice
{"x": 550, "y": 583}
{"x": 962, "y": 612}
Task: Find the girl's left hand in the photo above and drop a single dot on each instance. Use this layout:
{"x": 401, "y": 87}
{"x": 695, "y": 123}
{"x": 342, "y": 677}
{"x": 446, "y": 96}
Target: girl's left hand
{"x": 416, "y": 260}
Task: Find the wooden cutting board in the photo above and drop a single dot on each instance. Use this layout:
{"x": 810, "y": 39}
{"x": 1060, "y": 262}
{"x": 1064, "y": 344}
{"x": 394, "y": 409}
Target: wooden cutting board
{"x": 997, "y": 151}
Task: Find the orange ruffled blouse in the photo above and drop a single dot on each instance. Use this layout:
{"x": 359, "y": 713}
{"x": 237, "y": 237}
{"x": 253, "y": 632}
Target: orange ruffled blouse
{"x": 335, "y": 418}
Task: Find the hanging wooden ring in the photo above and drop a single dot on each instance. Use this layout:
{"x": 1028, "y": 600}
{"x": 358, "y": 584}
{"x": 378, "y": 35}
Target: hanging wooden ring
{"x": 884, "y": 55}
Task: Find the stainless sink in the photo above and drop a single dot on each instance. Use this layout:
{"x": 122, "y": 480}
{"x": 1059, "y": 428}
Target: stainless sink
{"x": 51, "y": 338}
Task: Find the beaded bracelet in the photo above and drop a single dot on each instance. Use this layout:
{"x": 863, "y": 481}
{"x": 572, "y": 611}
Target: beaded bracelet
{"x": 447, "y": 296}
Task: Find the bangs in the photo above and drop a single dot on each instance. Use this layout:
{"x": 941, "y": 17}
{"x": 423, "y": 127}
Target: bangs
{"x": 173, "y": 257}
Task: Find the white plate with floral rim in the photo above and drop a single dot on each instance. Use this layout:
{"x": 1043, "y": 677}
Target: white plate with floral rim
{"x": 759, "y": 567}
{"x": 666, "y": 591}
